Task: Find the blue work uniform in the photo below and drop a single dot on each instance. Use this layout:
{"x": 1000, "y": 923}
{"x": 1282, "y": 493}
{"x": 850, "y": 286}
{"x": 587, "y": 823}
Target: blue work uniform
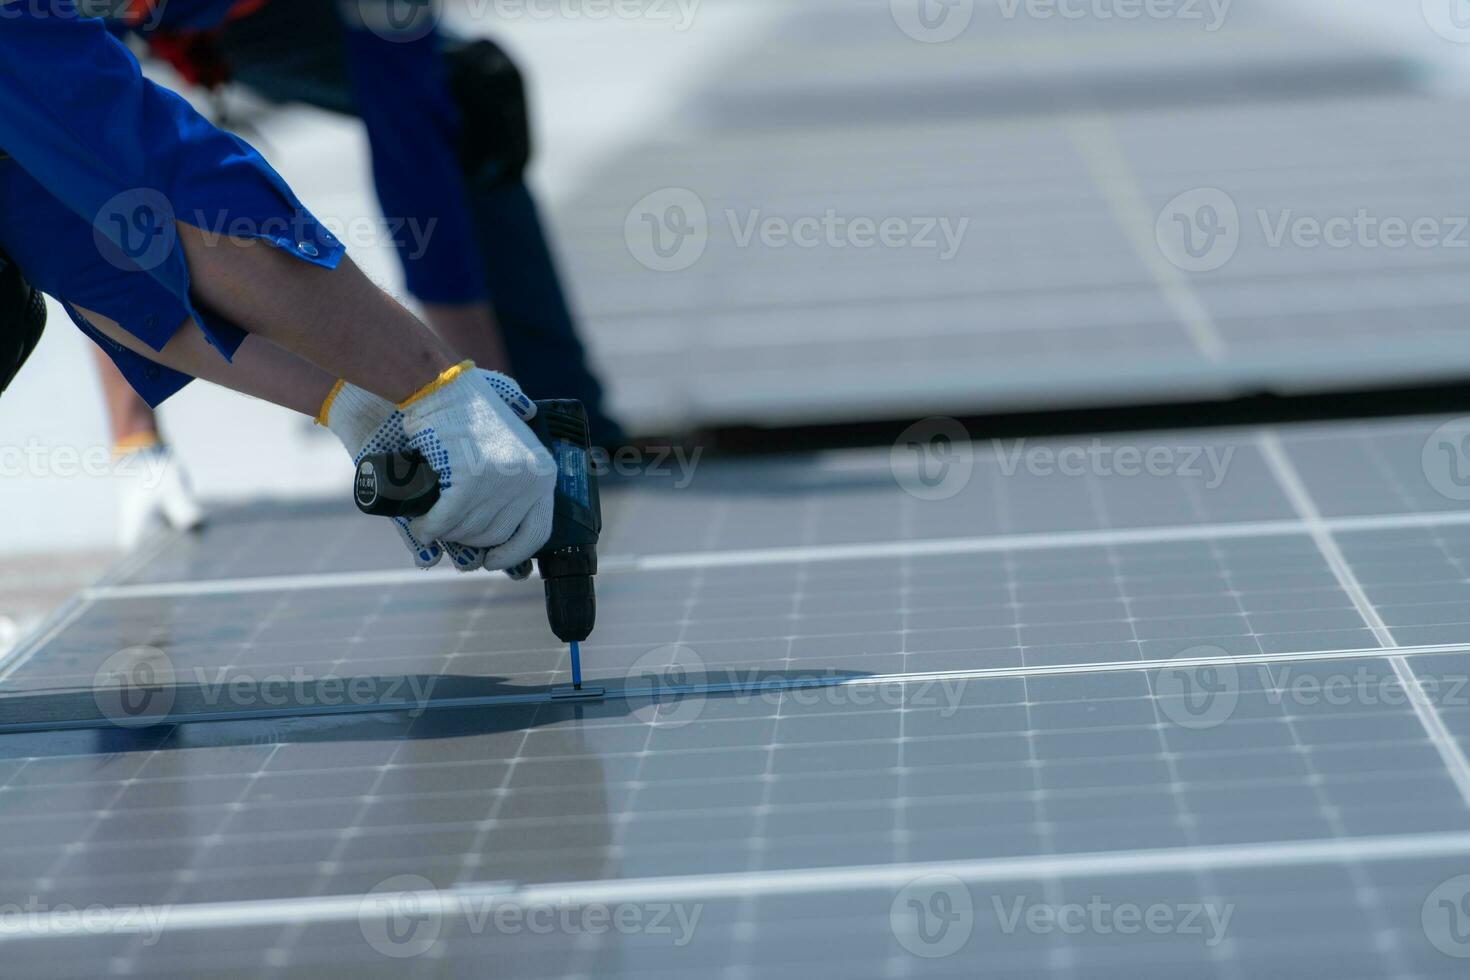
{"x": 100, "y": 162}
{"x": 402, "y": 96}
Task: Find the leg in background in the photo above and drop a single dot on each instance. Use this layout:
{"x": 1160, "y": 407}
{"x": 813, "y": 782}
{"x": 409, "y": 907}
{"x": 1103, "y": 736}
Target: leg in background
{"x": 153, "y": 489}
{"x": 131, "y": 422}
{"x": 295, "y": 52}
{"x": 531, "y": 306}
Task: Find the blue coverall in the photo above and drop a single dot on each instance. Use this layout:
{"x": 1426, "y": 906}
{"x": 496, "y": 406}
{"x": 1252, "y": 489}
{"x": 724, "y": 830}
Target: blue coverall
{"x": 399, "y": 90}
{"x": 99, "y": 162}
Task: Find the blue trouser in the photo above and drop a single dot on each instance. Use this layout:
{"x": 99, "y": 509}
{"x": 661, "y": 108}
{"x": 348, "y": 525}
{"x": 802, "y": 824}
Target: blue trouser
{"x": 488, "y": 242}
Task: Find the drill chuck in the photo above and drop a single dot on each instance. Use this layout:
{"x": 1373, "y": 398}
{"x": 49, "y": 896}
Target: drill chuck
{"x": 571, "y": 607}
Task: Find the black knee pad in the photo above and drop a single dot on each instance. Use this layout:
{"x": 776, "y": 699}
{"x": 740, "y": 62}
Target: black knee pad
{"x": 22, "y": 321}
{"x": 491, "y": 95}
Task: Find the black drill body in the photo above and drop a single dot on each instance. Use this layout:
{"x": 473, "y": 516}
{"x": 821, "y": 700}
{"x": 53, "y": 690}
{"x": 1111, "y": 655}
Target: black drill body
{"x": 403, "y": 485}
{"x": 569, "y": 559}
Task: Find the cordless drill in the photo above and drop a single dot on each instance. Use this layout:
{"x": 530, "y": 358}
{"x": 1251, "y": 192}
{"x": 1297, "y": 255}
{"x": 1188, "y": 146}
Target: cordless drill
{"x": 403, "y": 485}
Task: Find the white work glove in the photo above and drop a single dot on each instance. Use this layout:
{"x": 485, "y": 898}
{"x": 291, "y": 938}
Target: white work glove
{"x": 497, "y": 483}
{"x": 365, "y": 424}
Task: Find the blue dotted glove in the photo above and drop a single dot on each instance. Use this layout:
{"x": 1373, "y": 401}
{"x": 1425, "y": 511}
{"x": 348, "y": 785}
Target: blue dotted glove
{"x": 367, "y": 424}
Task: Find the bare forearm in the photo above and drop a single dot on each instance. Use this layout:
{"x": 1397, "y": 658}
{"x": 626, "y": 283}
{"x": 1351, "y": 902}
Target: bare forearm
{"x": 337, "y": 319}
{"x": 470, "y": 329}
{"x": 259, "y": 367}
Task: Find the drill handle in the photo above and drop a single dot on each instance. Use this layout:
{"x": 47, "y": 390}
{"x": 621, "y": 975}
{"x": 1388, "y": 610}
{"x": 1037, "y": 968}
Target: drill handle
{"x": 396, "y": 485}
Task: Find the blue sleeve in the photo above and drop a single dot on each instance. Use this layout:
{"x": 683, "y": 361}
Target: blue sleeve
{"x": 413, "y": 125}
{"x": 130, "y": 157}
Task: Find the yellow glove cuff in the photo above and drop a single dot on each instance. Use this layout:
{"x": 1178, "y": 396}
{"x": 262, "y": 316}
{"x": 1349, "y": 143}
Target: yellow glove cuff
{"x": 326, "y": 412}
{"x": 446, "y": 378}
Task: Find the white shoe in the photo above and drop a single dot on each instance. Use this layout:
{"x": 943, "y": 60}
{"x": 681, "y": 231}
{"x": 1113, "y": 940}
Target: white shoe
{"x": 154, "y": 494}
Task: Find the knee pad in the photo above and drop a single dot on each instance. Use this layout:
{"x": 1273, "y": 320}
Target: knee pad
{"x": 495, "y": 141}
{"x": 22, "y": 321}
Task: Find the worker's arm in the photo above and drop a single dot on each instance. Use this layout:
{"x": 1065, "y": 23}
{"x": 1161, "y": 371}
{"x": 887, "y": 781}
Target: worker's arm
{"x": 79, "y": 120}
{"x": 259, "y": 368}
{"x": 77, "y": 115}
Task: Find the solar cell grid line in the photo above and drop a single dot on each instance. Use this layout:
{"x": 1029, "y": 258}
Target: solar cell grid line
{"x": 1224, "y": 966}
{"x": 185, "y": 873}
{"x": 1454, "y": 756}
{"x": 1160, "y": 570}
{"x": 1367, "y": 895}
{"x": 1420, "y": 610}
{"x": 1111, "y": 171}
{"x": 136, "y": 946}
{"x": 1012, "y": 576}
{"x": 749, "y": 904}
{"x": 768, "y": 556}
{"x": 1209, "y": 887}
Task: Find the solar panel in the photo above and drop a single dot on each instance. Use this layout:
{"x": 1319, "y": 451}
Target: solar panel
{"x": 1063, "y": 156}
{"x": 1204, "y": 721}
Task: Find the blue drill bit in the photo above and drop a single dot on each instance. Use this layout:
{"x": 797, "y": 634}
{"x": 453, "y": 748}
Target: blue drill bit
{"x": 576, "y": 666}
